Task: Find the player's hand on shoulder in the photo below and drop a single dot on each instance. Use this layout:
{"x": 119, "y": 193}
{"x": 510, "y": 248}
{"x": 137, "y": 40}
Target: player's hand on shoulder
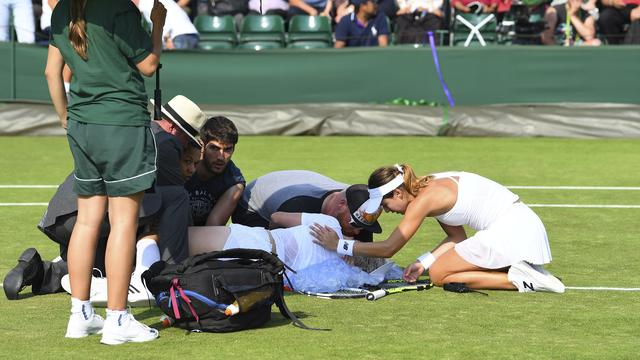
{"x": 324, "y": 236}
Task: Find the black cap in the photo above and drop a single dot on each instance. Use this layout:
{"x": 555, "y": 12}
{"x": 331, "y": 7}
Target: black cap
{"x": 356, "y": 196}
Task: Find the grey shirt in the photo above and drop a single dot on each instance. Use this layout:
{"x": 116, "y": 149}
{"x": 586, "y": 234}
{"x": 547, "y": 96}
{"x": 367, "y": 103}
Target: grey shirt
{"x": 266, "y": 194}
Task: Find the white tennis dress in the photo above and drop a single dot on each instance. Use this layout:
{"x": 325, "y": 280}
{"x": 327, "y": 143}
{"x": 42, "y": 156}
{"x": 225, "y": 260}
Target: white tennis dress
{"x": 508, "y": 231}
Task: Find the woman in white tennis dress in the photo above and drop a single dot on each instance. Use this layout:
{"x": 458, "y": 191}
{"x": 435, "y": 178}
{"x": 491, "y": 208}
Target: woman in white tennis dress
{"x": 506, "y": 252}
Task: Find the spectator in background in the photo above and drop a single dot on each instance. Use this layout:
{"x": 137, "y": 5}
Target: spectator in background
{"x": 189, "y": 6}
{"x": 633, "y": 34}
{"x": 310, "y": 7}
{"x": 569, "y": 24}
{"x": 475, "y": 6}
{"x": 415, "y": 18}
{"x": 269, "y": 7}
{"x": 341, "y": 9}
{"x": 179, "y": 32}
{"x": 23, "y": 21}
{"x": 366, "y": 26}
{"x": 45, "y": 18}
{"x": 614, "y": 15}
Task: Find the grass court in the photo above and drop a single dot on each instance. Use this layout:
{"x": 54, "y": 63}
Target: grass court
{"x": 592, "y": 231}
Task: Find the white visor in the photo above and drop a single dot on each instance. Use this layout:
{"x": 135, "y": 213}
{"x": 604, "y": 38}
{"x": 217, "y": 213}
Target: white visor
{"x": 372, "y": 205}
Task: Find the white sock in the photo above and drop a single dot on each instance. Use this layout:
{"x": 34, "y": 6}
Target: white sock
{"x": 147, "y": 253}
{"x": 116, "y": 315}
{"x": 82, "y": 307}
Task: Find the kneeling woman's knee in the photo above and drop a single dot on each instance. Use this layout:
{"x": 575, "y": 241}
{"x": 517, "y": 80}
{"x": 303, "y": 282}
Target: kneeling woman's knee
{"x": 437, "y": 273}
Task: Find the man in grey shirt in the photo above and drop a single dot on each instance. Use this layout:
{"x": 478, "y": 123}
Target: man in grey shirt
{"x": 296, "y": 191}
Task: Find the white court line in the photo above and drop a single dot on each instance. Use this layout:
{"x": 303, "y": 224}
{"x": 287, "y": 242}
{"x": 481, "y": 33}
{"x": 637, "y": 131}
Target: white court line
{"x": 24, "y": 204}
{"x": 593, "y": 206}
{"x": 599, "y": 288}
{"x": 28, "y": 186}
{"x": 575, "y": 187}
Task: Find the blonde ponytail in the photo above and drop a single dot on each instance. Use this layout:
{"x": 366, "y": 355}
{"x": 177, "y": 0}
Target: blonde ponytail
{"x": 412, "y": 183}
{"x": 78, "y": 28}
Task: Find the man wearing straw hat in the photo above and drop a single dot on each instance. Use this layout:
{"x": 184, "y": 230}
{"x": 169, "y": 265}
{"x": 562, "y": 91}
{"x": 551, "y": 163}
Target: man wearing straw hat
{"x": 164, "y": 213}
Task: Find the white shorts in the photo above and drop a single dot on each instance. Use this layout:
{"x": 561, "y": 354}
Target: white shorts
{"x": 516, "y": 236}
{"x": 244, "y": 237}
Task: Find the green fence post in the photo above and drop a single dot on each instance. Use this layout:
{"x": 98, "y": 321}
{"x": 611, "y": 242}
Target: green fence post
{"x": 12, "y": 67}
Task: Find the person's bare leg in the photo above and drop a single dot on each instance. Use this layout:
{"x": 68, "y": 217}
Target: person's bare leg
{"x": 207, "y": 238}
{"x": 83, "y": 242}
{"x": 450, "y": 267}
{"x": 123, "y": 218}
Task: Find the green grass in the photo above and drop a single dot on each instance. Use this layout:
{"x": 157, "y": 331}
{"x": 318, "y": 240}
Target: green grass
{"x": 591, "y": 247}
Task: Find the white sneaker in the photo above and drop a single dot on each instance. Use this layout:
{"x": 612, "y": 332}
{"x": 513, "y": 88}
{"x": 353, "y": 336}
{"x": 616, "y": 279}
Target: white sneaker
{"x": 79, "y": 326}
{"x": 97, "y": 292}
{"x": 125, "y": 328}
{"x": 138, "y": 293}
{"x": 528, "y": 278}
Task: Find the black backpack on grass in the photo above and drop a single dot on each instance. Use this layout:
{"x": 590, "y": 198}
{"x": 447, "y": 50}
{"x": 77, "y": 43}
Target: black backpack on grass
{"x": 220, "y": 291}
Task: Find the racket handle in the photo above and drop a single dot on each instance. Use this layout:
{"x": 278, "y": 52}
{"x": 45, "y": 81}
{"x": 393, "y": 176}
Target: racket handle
{"x": 377, "y": 294}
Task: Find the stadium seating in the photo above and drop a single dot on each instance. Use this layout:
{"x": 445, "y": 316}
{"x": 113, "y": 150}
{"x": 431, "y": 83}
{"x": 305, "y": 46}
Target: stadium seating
{"x": 473, "y": 29}
{"x": 262, "y": 32}
{"x": 216, "y": 32}
{"x": 308, "y": 32}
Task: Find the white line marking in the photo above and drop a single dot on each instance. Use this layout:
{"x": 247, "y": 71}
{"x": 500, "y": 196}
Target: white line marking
{"x": 586, "y": 206}
{"x": 28, "y": 186}
{"x": 599, "y": 288}
{"x": 589, "y": 206}
{"x": 575, "y": 187}
{"x": 24, "y": 204}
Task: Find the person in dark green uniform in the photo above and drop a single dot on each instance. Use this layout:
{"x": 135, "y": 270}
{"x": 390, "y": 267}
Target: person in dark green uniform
{"x": 113, "y": 149}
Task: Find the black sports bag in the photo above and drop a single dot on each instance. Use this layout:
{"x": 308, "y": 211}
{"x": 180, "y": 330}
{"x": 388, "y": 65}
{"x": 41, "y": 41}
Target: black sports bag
{"x": 220, "y": 291}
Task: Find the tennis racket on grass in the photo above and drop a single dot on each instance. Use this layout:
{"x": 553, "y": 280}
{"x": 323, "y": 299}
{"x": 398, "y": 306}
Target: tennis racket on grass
{"x": 346, "y": 293}
{"x": 379, "y": 294}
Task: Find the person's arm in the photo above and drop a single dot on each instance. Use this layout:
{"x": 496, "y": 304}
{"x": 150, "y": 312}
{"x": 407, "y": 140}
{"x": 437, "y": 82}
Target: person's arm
{"x": 327, "y": 8}
{"x": 548, "y": 35}
{"x": 339, "y": 44}
{"x": 225, "y": 206}
{"x": 149, "y": 64}
{"x": 417, "y": 210}
{"x": 455, "y": 234}
{"x": 300, "y": 4}
{"x": 586, "y": 29}
{"x": 461, "y": 7}
{"x": 53, "y": 74}
{"x": 281, "y": 219}
{"x": 383, "y": 40}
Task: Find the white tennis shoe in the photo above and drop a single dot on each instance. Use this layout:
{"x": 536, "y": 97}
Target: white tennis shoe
{"x": 527, "y": 278}
{"x": 125, "y": 328}
{"x": 84, "y": 323}
{"x": 138, "y": 293}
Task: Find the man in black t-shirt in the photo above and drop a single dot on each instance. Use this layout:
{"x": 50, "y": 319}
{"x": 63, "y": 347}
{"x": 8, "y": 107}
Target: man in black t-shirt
{"x": 296, "y": 191}
{"x": 217, "y": 185}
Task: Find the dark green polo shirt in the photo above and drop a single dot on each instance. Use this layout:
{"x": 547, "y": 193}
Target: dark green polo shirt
{"x": 106, "y": 89}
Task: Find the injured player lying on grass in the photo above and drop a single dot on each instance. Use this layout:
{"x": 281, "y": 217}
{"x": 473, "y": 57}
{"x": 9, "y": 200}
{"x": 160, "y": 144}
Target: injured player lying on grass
{"x": 316, "y": 269}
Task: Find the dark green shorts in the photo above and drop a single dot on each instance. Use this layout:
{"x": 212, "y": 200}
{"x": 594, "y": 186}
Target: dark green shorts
{"x": 112, "y": 160}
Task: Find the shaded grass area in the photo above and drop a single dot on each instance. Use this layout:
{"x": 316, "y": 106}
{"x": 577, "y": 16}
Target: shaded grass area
{"x": 591, "y": 247}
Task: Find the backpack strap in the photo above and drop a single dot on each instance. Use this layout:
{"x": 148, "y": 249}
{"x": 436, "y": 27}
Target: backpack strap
{"x": 175, "y": 285}
{"x": 237, "y": 254}
{"x": 284, "y": 310}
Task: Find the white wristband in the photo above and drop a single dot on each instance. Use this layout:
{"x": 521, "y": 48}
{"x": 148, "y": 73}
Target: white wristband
{"x": 345, "y": 247}
{"x": 427, "y": 259}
